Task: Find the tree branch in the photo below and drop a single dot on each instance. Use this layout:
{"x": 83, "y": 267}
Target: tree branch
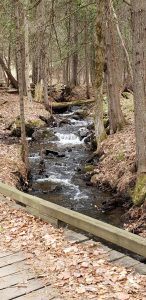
{"x": 127, "y": 2}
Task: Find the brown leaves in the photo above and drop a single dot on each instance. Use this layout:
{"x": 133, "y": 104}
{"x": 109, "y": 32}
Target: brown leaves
{"x": 79, "y": 271}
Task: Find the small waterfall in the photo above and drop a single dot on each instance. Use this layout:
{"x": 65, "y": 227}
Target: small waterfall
{"x": 68, "y": 139}
{"x": 55, "y": 179}
{"x": 79, "y": 123}
{"x": 76, "y": 193}
{"x": 34, "y": 157}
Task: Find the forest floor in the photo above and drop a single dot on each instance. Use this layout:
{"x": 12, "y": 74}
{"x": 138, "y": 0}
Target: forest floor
{"x": 115, "y": 169}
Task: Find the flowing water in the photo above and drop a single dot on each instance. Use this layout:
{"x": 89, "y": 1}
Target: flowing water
{"x": 57, "y": 176}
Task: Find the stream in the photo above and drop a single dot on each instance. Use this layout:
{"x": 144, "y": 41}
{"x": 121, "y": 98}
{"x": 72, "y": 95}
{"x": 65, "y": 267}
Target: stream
{"x": 57, "y": 156}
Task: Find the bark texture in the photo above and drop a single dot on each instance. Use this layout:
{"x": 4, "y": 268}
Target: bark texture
{"x": 75, "y": 51}
{"x": 27, "y": 62}
{"x": 113, "y": 78}
{"x": 11, "y": 78}
{"x": 139, "y": 68}
{"x": 21, "y": 87}
{"x": 99, "y": 70}
{"x": 86, "y": 58}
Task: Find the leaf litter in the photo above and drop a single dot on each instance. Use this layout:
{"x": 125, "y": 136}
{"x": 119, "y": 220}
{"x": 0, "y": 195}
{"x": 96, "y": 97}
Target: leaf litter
{"x": 76, "y": 270}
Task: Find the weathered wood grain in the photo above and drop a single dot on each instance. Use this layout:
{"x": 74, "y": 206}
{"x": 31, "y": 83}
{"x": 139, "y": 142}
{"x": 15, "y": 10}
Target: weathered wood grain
{"x": 17, "y": 278}
{"x": 114, "y": 255}
{"x": 47, "y": 293}
{"x": 20, "y": 290}
{"x": 74, "y": 237}
{"x": 14, "y": 268}
{"x": 8, "y": 260}
{"x": 5, "y": 253}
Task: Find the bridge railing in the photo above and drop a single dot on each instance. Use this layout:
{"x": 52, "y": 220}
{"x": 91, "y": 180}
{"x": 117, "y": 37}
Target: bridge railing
{"x": 53, "y": 213}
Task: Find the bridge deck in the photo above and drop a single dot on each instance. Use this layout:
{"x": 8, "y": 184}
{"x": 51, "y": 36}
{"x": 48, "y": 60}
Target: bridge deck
{"x": 17, "y": 281}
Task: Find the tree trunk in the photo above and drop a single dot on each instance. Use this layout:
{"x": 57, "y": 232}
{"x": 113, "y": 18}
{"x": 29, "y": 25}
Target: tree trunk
{"x": 27, "y": 63}
{"x": 92, "y": 62}
{"x": 122, "y": 40}
{"x": 116, "y": 117}
{"x": 45, "y": 78}
{"x": 22, "y": 53}
{"x": 20, "y": 82}
{"x": 99, "y": 70}
{"x": 9, "y": 75}
{"x": 86, "y": 59}
{"x": 75, "y": 51}
{"x": 68, "y": 29}
{"x": 139, "y": 68}
{"x": 9, "y": 59}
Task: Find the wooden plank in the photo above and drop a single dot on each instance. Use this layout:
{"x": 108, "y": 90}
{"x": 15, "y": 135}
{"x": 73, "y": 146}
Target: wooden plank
{"x": 46, "y": 293}
{"x": 17, "y": 278}
{"x": 140, "y": 268}
{"x": 115, "y": 255}
{"x": 14, "y": 268}
{"x": 105, "y": 231}
{"x": 75, "y": 237}
{"x": 106, "y": 248}
{"x": 127, "y": 262}
{"x": 5, "y": 253}
{"x": 17, "y": 291}
{"x": 8, "y": 260}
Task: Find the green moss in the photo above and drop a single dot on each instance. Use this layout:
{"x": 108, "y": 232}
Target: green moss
{"x": 88, "y": 168}
{"x": 121, "y": 125}
{"x": 30, "y": 126}
{"x": 1, "y": 228}
{"x": 125, "y": 95}
{"x": 34, "y": 123}
{"x": 139, "y": 194}
{"x": 103, "y": 136}
{"x": 106, "y": 122}
{"x": 120, "y": 156}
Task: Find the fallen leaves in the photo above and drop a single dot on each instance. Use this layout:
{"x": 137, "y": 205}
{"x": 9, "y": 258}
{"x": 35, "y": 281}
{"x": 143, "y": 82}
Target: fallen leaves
{"x": 79, "y": 271}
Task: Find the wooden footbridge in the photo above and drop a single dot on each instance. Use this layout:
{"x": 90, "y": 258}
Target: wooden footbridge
{"x": 14, "y": 270}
